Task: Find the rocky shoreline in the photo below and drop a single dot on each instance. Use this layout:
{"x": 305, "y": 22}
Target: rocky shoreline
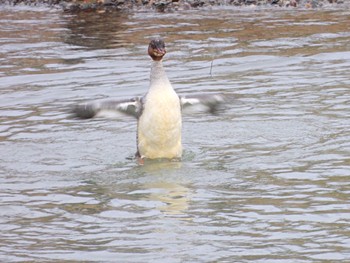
{"x": 167, "y": 5}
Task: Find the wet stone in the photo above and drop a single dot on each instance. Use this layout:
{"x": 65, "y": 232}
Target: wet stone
{"x": 167, "y": 5}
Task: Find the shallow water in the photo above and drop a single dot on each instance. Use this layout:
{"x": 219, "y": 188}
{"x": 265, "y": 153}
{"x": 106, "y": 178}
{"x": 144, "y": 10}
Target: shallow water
{"x": 267, "y": 180}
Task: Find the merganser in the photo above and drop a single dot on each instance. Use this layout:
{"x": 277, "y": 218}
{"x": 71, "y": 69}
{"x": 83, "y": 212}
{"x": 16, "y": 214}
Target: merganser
{"x": 158, "y": 112}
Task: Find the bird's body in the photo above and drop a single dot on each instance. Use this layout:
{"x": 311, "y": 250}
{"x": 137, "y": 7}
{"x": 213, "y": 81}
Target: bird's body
{"x": 159, "y": 125}
{"x": 158, "y": 112}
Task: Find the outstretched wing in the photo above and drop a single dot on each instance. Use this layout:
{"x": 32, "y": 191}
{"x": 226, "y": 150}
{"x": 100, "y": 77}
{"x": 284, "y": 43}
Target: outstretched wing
{"x": 211, "y": 102}
{"x": 92, "y": 109}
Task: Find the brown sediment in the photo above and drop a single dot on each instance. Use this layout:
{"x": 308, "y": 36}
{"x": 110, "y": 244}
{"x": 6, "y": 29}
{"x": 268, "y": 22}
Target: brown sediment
{"x": 102, "y": 6}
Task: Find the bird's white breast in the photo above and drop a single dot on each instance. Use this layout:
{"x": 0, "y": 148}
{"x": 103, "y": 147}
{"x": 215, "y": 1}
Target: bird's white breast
{"x": 159, "y": 127}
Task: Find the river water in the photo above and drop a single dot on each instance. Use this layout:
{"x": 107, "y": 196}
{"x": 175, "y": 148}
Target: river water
{"x": 266, "y": 180}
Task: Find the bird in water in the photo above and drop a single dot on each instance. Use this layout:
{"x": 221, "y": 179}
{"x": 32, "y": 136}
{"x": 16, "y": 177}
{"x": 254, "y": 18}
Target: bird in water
{"x": 158, "y": 112}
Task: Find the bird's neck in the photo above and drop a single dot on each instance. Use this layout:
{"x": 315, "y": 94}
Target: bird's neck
{"x": 158, "y": 78}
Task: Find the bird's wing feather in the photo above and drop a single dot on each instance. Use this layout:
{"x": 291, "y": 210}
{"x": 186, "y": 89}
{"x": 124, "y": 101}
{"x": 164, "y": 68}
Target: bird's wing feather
{"x": 92, "y": 109}
{"x": 211, "y": 101}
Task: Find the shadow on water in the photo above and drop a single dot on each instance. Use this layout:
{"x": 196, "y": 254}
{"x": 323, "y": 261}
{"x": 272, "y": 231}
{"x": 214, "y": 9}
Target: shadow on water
{"x": 108, "y": 32}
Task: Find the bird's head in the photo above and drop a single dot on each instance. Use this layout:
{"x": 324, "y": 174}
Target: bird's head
{"x": 156, "y": 49}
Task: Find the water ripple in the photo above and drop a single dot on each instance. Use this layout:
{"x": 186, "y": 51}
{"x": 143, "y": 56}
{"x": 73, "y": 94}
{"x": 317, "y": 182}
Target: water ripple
{"x": 265, "y": 180}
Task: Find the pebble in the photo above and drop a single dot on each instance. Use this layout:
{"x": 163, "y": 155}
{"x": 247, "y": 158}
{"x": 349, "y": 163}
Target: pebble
{"x": 166, "y": 5}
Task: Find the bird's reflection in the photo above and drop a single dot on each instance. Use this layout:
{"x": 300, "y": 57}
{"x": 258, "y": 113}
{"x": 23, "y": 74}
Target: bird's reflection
{"x": 174, "y": 198}
{"x": 168, "y": 188}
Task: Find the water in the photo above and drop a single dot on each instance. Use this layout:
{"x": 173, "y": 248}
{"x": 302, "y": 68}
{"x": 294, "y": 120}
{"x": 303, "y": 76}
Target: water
{"x": 267, "y": 180}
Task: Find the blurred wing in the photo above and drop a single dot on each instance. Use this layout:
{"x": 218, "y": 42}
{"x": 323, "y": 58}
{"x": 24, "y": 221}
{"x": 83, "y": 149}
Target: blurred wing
{"x": 101, "y": 108}
{"x": 211, "y": 102}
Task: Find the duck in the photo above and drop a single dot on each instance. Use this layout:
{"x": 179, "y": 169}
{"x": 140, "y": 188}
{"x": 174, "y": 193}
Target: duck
{"x": 158, "y": 112}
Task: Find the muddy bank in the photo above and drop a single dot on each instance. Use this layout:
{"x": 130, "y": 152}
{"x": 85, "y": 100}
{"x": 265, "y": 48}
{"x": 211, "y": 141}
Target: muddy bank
{"x": 167, "y": 5}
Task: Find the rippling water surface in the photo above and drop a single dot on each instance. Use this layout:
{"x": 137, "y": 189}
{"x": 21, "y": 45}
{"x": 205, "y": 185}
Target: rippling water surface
{"x": 267, "y": 180}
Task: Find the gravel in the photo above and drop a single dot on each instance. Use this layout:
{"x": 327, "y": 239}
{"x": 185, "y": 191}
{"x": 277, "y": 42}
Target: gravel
{"x": 167, "y": 5}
